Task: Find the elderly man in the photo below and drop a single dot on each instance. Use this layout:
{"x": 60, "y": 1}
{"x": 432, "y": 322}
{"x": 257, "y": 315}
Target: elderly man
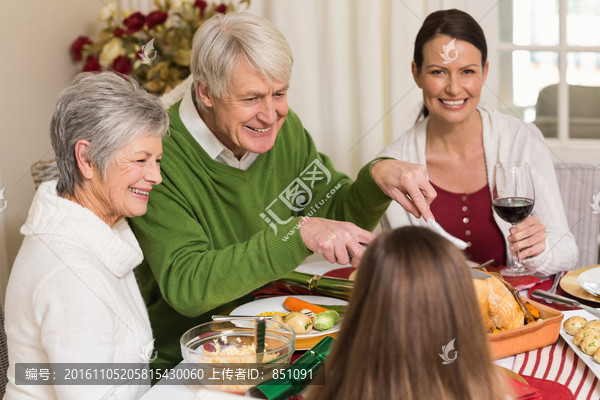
{"x": 246, "y": 196}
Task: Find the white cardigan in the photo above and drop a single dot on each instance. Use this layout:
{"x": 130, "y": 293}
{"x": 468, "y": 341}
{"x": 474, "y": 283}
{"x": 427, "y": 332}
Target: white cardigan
{"x": 504, "y": 139}
{"x": 72, "y": 298}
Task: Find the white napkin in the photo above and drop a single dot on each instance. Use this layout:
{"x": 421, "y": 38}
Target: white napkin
{"x": 437, "y": 228}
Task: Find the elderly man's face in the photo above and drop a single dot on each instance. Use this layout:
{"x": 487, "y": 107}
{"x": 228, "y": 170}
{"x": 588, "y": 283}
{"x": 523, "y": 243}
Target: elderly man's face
{"x": 250, "y": 114}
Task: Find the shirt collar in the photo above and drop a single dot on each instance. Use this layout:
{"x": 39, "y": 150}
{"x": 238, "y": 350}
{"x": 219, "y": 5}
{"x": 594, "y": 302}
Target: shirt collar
{"x": 196, "y": 126}
{"x": 207, "y": 140}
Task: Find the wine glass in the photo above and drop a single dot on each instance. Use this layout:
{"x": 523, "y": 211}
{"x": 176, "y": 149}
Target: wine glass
{"x": 513, "y": 196}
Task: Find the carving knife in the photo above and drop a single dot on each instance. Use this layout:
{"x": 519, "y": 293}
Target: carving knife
{"x": 542, "y": 294}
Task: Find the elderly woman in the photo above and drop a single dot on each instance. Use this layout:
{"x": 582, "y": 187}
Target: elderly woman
{"x": 460, "y": 141}
{"x": 72, "y": 296}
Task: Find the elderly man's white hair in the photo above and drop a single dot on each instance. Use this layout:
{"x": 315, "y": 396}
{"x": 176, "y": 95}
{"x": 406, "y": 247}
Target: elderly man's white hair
{"x": 228, "y": 39}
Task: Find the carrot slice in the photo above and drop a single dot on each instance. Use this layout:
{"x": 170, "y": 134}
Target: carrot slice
{"x": 534, "y": 311}
{"x": 295, "y": 304}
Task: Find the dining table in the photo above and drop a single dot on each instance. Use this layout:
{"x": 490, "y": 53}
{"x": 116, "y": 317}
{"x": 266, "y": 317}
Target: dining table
{"x": 558, "y": 371}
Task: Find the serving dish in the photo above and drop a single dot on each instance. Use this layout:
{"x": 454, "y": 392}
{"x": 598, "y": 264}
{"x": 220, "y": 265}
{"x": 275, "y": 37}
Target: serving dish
{"x": 587, "y": 359}
{"x": 303, "y": 342}
{"x": 214, "y": 348}
{"x": 528, "y": 337}
{"x": 569, "y": 283}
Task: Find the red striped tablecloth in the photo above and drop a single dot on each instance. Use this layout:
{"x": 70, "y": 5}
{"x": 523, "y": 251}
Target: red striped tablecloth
{"x": 559, "y": 363}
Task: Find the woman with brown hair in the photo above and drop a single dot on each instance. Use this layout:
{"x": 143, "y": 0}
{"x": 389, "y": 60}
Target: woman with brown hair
{"x": 460, "y": 140}
{"x": 413, "y": 328}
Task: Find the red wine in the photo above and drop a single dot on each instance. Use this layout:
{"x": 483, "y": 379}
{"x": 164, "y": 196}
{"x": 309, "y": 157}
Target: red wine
{"x": 513, "y": 209}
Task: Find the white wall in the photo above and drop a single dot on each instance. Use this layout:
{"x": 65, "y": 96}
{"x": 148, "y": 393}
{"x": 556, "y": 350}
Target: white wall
{"x": 34, "y": 41}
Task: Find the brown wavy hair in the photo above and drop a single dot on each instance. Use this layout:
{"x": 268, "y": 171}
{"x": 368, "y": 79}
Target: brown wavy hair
{"x": 413, "y": 295}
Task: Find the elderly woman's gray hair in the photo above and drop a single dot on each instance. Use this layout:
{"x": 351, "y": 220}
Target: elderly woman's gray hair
{"x": 227, "y": 39}
{"x": 107, "y": 109}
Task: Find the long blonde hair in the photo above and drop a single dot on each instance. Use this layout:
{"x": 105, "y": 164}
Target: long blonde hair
{"x": 413, "y": 298}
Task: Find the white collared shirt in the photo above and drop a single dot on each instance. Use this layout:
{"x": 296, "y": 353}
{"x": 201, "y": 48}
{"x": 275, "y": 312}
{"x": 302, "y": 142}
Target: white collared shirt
{"x": 207, "y": 140}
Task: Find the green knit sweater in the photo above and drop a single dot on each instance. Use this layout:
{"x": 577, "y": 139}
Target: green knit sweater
{"x": 214, "y": 233}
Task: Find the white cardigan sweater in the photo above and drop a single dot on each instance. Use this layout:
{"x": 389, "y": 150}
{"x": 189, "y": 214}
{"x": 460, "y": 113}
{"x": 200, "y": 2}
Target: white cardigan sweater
{"x": 72, "y": 298}
{"x": 504, "y": 139}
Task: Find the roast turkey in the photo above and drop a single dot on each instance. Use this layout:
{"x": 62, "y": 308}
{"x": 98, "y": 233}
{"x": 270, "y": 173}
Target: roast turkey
{"x": 500, "y": 304}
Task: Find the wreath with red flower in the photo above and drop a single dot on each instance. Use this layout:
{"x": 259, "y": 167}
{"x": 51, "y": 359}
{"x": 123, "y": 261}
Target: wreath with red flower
{"x": 154, "y": 48}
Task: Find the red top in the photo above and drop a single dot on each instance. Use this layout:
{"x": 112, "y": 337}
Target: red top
{"x": 470, "y": 218}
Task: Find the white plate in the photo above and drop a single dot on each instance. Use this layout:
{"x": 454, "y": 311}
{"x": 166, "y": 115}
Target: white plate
{"x": 319, "y": 267}
{"x": 276, "y": 304}
{"x": 590, "y": 281}
{"x": 587, "y": 359}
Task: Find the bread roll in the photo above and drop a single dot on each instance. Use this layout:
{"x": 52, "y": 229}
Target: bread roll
{"x": 594, "y": 324}
{"x": 574, "y": 324}
{"x": 578, "y": 338}
{"x": 590, "y": 344}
